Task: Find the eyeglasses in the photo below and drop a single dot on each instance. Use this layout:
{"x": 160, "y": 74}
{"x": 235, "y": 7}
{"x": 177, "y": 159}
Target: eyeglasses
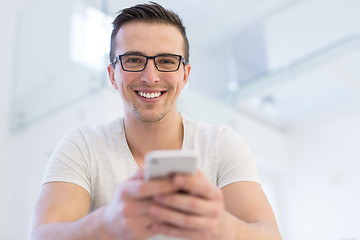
{"x": 137, "y": 62}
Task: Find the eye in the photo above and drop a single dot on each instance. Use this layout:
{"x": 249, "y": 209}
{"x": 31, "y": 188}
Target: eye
{"x": 166, "y": 60}
{"x": 133, "y": 59}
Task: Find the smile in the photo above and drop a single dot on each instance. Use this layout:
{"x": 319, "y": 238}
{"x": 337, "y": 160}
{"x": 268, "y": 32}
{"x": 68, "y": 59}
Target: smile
{"x": 149, "y": 95}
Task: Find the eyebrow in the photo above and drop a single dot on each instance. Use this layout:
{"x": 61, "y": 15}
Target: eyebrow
{"x": 133, "y": 52}
{"x": 141, "y": 53}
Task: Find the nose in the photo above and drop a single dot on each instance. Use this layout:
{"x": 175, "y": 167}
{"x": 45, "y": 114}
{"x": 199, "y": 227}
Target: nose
{"x": 150, "y": 74}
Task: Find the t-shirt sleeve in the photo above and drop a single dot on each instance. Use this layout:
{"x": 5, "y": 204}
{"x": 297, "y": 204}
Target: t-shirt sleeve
{"x": 236, "y": 159}
{"x": 69, "y": 162}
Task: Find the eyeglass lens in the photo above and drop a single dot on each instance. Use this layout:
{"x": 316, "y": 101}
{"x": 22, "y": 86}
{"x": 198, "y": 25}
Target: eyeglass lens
{"x": 133, "y": 62}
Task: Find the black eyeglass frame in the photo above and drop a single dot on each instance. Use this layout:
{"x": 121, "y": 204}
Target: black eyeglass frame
{"x": 118, "y": 59}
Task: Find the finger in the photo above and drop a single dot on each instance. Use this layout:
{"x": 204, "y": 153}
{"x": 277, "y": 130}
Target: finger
{"x": 139, "y": 189}
{"x": 178, "y": 219}
{"x": 135, "y": 208}
{"x": 140, "y": 227}
{"x": 197, "y": 185}
{"x": 187, "y": 203}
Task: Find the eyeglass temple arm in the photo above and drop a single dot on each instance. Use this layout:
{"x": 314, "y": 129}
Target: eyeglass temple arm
{"x": 115, "y": 60}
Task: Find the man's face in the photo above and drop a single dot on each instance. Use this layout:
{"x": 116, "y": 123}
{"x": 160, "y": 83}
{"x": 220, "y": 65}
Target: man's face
{"x": 149, "y": 39}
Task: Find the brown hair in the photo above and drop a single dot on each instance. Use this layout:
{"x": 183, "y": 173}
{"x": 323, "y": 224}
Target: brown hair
{"x": 148, "y": 13}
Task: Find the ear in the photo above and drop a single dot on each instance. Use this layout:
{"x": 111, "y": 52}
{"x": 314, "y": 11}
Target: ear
{"x": 111, "y": 73}
{"x": 186, "y": 73}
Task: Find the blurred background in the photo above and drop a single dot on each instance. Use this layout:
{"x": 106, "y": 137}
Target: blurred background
{"x": 284, "y": 73}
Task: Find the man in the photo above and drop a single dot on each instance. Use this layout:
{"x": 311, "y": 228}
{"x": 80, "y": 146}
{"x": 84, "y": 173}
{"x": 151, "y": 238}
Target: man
{"x": 93, "y": 187}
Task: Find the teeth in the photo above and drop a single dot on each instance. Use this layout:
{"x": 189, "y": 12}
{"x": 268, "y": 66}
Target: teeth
{"x": 149, "y": 95}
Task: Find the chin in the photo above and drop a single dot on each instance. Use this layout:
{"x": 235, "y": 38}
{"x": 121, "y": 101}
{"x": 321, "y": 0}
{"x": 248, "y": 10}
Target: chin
{"x": 149, "y": 117}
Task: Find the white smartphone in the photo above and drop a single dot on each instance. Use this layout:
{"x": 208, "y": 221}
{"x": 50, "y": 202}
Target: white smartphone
{"x": 163, "y": 163}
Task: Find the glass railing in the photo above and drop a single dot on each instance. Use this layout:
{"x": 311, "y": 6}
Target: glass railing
{"x": 340, "y": 49}
{"x": 61, "y": 57}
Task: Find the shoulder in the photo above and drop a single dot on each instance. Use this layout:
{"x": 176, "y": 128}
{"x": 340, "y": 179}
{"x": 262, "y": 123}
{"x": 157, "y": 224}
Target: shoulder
{"x": 103, "y": 131}
{"x": 86, "y": 136}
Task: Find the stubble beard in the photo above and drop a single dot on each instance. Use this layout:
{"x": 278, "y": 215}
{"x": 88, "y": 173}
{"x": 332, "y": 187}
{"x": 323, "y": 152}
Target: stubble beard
{"x": 149, "y": 115}
{"x": 149, "y": 118}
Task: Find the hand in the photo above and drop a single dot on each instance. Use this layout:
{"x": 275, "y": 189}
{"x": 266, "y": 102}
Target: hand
{"x": 126, "y": 217}
{"x": 198, "y": 215}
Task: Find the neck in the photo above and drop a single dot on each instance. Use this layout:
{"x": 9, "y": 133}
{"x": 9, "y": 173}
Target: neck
{"x": 143, "y": 137}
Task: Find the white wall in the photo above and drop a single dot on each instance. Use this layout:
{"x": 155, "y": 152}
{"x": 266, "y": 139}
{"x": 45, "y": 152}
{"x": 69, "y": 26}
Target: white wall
{"x": 322, "y": 191}
{"x": 7, "y": 26}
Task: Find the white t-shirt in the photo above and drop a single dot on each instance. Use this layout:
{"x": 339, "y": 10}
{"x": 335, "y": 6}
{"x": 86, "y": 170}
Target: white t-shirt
{"x": 98, "y": 158}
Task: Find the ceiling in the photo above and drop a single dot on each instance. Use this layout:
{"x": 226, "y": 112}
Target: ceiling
{"x": 210, "y": 21}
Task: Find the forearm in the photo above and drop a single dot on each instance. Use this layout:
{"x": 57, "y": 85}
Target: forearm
{"x": 236, "y": 229}
{"x": 88, "y": 227}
